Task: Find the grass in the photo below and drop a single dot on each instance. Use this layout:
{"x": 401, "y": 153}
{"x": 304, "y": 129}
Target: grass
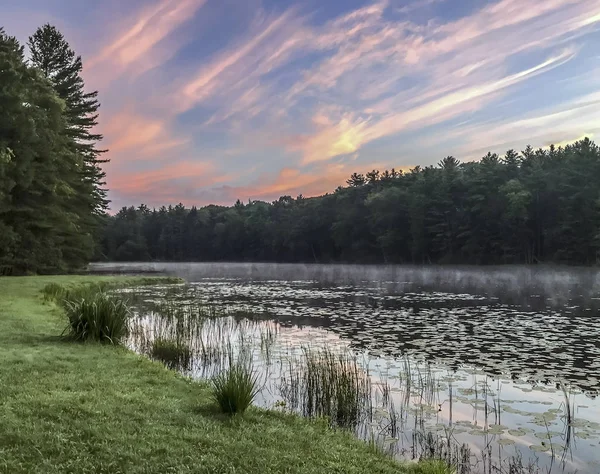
{"x": 92, "y": 408}
{"x": 235, "y": 388}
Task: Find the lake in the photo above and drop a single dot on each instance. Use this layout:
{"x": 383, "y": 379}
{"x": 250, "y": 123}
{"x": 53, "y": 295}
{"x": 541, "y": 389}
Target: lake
{"x": 495, "y": 369}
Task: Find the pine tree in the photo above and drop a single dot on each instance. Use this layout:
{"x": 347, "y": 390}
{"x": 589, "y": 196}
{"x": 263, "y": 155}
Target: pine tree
{"x": 38, "y": 169}
{"x": 51, "y": 54}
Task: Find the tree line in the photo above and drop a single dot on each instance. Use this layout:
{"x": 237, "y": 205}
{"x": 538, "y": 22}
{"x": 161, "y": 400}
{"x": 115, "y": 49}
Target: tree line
{"x": 531, "y": 207}
{"x": 52, "y": 191}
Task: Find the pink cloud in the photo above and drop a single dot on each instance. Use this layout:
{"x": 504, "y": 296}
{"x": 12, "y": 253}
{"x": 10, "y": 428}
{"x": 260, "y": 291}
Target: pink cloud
{"x": 139, "y": 183}
{"x": 136, "y": 47}
{"x": 127, "y": 131}
{"x": 367, "y": 76}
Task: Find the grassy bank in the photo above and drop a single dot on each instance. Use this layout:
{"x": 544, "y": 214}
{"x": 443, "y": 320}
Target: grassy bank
{"x": 71, "y": 407}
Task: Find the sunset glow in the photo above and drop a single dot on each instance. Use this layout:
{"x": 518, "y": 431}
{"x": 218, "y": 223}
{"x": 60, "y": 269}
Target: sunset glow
{"x": 207, "y": 101}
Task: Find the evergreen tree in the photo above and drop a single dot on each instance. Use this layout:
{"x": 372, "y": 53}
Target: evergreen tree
{"x": 51, "y": 54}
{"x": 39, "y": 231}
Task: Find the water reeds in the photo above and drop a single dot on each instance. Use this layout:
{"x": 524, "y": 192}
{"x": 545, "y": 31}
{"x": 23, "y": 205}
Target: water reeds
{"x": 97, "y": 317}
{"x": 329, "y": 384}
{"x": 235, "y": 388}
{"x": 62, "y": 295}
{"x": 53, "y": 292}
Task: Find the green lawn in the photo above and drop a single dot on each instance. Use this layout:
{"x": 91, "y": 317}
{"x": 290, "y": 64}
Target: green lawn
{"x": 68, "y": 407}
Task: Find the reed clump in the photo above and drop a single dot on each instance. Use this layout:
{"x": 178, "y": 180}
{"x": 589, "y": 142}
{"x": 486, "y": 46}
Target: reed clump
{"x": 235, "y": 388}
{"x": 53, "y": 292}
{"x": 96, "y": 317}
{"x": 329, "y": 384}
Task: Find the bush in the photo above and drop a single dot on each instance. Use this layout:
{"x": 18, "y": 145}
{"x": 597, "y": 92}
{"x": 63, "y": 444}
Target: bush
{"x": 235, "y": 388}
{"x": 96, "y": 316}
{"x": 174, "y": 354}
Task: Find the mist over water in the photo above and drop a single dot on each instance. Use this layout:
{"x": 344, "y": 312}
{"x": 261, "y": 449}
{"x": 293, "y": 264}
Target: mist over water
{"x": 528, "y": 285}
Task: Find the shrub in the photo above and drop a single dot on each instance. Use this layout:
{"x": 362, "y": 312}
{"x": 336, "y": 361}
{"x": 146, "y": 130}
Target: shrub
{"x": 174, "y": 354}
{"x": 235, "y": 388}
{"x": 96, "y": 317}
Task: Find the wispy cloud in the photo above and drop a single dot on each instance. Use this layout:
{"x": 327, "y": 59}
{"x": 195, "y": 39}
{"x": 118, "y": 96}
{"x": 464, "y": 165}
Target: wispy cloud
{"x": 305, "y": 99}
{"x": 139, "y": 136}
{"x": 560, "y": 124}
{"x": 382, "y": 76}
{"x": 136, "y": 48}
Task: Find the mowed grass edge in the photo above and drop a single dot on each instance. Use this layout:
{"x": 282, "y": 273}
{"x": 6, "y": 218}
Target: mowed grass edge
{"x": 70, "y": 407}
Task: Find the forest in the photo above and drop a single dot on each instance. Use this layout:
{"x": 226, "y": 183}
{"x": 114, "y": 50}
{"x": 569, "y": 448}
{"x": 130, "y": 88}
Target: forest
{"x": 537, "y": 206}
{"x": 52, "y": 192}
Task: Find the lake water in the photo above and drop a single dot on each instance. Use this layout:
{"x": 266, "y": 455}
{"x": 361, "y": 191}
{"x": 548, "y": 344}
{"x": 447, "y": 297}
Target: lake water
{"x": 496, "y": 369}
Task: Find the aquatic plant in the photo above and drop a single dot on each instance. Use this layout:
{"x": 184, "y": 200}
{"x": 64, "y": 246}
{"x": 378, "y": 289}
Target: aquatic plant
{"x": 62, "y": 295}
{"x": 329, "y": 384}
{"x": 235, "y": 388}
{"x": 98, "y": 318}
{"x": 173, "y": 353}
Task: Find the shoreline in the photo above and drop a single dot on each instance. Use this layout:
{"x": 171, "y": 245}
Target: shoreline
{"x": 81, "y": 407}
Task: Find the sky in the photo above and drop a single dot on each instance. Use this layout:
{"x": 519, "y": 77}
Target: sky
{"x": 210, "y": 101}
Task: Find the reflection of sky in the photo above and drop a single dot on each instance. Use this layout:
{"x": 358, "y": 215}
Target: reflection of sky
{"x": 215, "y": 100}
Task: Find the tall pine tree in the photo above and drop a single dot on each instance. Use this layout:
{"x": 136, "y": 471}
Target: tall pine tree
{"x": 51, "y": 54}
{"x": 39, "y": 172}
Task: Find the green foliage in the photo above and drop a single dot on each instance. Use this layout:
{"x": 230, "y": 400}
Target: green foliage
{"x": 235, "y": 388}
{"x": 50, "y": 196}
{"x": 174, "y": 354}
{"x": 536, "y": 206}
{"x": 96, "y": 317}
{"x": 52, "y": 55}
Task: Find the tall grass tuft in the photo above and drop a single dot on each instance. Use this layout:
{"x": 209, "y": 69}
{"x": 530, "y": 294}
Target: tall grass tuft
{"x": 235, "y": 388}
{"x": 97, "y": 317}
{"x": 335, "y": 386}
{"x": 173, "y": 353}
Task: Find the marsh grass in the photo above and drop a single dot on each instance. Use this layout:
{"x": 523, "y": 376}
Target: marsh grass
{"x": 174, "y": 354}
{"x": 235, "y": 388}
{"x": 96, "y": 317}
{"x": 444, "y": 450}
{"x": 325, "y": 383}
